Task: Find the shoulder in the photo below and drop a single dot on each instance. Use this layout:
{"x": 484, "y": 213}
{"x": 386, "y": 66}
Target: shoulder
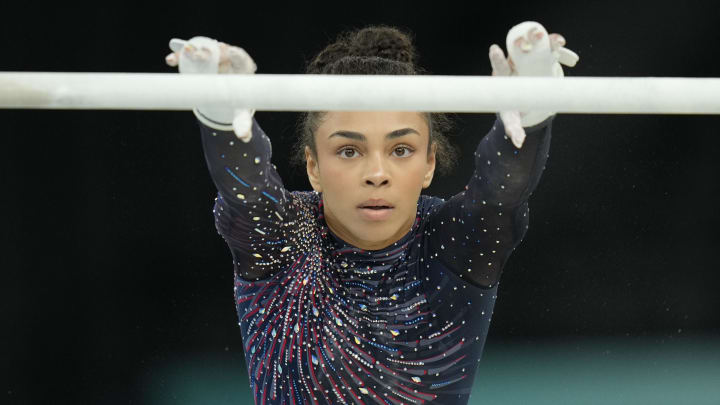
{"x": 428, "y": 204}
{"x": 303, "y": 207}
{"x": 305, "y": 199}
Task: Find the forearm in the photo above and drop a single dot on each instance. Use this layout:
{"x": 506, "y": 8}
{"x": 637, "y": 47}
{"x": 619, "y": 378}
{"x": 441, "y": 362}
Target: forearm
{"x": 478, "y": 229}
{"x": 242, "y": 172}
{"x": 252, "y": 210}
{"x": 505, "y": 175}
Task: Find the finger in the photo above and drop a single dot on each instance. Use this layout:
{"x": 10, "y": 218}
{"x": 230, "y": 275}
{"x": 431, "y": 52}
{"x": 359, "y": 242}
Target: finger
{"x": 500, "y": 65}
{"x": 196, "y": 53}
{"x": 172, "y": 59}
{"x": 535, "y": 34}
{"x": 224, "y": 51}
{"x": 224, "y": 65}
{"x": 556, "y": 41}
{"x": 523, "y": 44}
{"x": 177, "y": 44}
{"x": 241, "y": 60}
{"x": 567, "y": 57}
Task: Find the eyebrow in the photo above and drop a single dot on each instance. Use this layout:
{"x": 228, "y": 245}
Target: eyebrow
{"x": 357, "y": 136}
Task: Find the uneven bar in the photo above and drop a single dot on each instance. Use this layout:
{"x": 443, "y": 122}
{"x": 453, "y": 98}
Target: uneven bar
{"x": 286, "y": 92}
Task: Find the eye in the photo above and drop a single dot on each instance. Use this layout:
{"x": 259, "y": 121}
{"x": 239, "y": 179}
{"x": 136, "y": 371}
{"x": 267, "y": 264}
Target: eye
{"x": 404, "y": 148}
{"x": 350, "y": 152}
{"x": 344, "y": 152}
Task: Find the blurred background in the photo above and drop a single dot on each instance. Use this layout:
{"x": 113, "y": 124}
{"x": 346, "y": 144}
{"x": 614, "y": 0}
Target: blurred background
{"x": 116, "y": 287}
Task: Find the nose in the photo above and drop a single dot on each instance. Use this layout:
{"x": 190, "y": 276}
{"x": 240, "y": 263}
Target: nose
{"x": 376, "y": 171}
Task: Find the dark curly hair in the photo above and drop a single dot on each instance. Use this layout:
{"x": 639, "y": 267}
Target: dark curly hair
{"x": 373, "y": 50}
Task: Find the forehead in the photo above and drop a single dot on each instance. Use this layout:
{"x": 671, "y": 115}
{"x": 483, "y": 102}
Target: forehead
{"x": 371, "y": 123}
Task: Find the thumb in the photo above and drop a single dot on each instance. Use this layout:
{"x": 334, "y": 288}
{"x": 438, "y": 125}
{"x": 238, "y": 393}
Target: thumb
{"x": 242, "y": 125}
{"x": 176, "y": 45}
{"x": 513, "y": 127}
{"x": 172, "y": 59}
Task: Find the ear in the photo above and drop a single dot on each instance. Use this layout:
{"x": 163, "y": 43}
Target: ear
{"x": 430, "y": 166}
{"x": 313, "y": 170}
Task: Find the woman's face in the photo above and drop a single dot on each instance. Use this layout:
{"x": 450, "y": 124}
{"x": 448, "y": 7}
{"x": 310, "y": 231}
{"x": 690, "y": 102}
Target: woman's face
{"x": 365, "y": 155}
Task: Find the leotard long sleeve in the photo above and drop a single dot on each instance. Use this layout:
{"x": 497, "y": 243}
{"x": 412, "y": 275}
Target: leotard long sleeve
{"x": 324, "y": 322}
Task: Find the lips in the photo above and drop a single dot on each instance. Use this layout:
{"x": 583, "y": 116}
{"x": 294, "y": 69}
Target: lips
{"x": 375, "y": 203}
{"x": 376, "y": 210}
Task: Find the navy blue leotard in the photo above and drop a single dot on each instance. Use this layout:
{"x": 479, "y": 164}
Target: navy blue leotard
{"x": 324, "y": 322}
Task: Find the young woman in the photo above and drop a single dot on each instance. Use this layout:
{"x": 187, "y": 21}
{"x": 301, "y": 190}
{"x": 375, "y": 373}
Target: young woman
{"x": 363, "y": 290}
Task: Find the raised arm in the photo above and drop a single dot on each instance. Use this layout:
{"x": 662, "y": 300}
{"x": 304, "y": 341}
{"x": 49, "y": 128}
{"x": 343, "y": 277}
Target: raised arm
{"x": 475, "y": 231}
{"x": 252, "y": 209}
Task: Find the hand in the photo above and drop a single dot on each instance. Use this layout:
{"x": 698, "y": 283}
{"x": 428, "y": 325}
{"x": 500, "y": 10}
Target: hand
{"x": 202, "y": 55}
{"x": 205, "y": 55}
{"x": 531, "y": 52}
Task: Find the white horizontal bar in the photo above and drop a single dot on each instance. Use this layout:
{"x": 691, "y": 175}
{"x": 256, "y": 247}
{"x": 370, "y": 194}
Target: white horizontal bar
{"x": 281, "y": 92}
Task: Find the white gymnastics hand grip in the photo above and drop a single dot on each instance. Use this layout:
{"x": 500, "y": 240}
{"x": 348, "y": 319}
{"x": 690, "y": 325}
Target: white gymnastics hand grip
{"x": 203, "y": 55}
{"x": 534, "y": 52}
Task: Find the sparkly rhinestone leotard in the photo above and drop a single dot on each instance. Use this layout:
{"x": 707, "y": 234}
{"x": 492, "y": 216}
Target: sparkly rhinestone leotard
{"x": 324, "y": 322}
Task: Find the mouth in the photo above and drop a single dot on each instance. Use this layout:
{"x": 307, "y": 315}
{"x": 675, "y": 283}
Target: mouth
{"x": 375, "y": 204}
{"x": 376, "y": 212}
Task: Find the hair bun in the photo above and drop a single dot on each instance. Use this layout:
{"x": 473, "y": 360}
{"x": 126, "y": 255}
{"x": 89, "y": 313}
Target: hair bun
{"x": 383, "y": 41}
{"x": 371, "y": 41}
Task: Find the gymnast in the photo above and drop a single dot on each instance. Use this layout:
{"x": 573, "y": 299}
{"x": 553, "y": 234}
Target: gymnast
{"x": 364, "y": 291}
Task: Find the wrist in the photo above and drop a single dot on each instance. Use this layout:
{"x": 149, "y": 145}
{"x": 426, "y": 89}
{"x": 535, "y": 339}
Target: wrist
{"x": 535, "y": 118}
{"x": 216, "y": 118}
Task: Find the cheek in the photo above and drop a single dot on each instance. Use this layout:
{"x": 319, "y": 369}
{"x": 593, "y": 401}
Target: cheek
{"x": 416, "y": 173}
{"x": 336, "y": 178}
{"x": 334, "y": 174}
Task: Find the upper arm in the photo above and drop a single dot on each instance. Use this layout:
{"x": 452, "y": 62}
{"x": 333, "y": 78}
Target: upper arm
{"x": 262, "y": 241}
{"x": 474, "y": 239}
